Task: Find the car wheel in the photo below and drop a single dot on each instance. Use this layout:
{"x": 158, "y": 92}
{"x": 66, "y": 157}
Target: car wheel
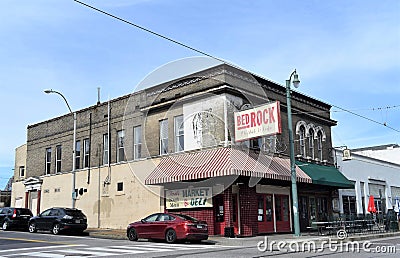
{"x": 56, "y": 229}
{"x": 5, "y": 226}
{"x": 170, "y": 236}
{"x": 32, "y": 227}
{"x": 132, "y": 234}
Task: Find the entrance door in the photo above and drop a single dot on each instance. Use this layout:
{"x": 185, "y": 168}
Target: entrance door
{"x": 282, "y": 213}
{"x": 265, "y": 218}
{"x": 219, "y": 215}
{"x": 33, "y": 198}
{"x": 303, "y": 213}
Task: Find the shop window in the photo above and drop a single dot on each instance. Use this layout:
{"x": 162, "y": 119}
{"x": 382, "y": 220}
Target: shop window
{"x": 285, "y": 208}
{"x": 278, "y": 208}
{"x": 322, "y": 208}
{"x": 268, "y": 206}
{"x": 260, "y": 200}
{"x": 349, "y": 205}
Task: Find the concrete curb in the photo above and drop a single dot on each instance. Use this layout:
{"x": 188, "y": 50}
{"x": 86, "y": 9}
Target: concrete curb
{"x": 120, "y": 234}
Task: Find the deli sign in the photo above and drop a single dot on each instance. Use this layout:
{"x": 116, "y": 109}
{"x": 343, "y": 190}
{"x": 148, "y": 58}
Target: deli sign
{"x": 258, "y": 121}
{"x": 189, "y": 198}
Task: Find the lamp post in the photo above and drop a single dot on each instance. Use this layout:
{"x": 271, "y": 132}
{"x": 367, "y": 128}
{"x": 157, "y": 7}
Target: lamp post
{"x": 73, "y": 195}
{"x": 296, "y": 220}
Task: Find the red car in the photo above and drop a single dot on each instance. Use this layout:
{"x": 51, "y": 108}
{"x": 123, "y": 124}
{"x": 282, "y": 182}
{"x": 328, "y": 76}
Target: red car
{"x": 168, "y": 226}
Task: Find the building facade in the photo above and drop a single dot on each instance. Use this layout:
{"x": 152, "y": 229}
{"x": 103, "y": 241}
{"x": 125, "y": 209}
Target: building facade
{"x": 371, "y": 176}
{"x": 172, "y": 148}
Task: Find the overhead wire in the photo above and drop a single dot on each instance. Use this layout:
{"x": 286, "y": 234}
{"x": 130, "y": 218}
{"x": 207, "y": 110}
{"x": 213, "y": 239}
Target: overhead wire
{"x": 213, "y": 57}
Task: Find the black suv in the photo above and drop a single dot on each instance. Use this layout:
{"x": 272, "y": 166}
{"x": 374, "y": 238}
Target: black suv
{"x": 59, "y": 219}
{"x": 14, "y": 218}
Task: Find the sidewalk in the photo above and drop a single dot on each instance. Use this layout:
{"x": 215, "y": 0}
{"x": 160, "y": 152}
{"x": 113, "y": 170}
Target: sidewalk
{"x": 248, "y": 241}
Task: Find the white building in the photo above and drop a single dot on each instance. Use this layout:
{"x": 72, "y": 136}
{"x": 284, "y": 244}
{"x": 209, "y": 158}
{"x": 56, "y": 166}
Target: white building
{"x": 372, "y": 176}
{"x": 388, "y": 152}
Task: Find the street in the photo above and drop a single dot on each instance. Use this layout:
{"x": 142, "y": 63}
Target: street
{"x": 24, "y": 244}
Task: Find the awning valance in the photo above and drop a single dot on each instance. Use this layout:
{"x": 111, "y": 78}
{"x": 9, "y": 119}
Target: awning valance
{"x": 325, "y": 175}
{"x": 222, "y": 162}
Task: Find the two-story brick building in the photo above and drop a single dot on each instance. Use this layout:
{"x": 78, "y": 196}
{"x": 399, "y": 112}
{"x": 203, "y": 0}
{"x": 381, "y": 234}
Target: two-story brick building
{"x": 172, "y": 147}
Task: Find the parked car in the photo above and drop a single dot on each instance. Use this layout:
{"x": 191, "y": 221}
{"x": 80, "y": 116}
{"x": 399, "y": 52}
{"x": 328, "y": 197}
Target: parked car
{"x": 59, "y": 219}
{"x": 14, "y": 218}
{"x": 168, "y": 226}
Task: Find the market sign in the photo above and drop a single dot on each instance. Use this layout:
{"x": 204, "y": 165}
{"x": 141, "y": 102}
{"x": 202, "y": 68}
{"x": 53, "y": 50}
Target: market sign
{"x": 189, "y": 198}
{"x": 258, "y": 121}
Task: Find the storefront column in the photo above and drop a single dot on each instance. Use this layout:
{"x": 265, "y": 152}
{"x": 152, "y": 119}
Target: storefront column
{"x": 228, "y": 207}
{"x": 26, "y": 199}
{"x": 38, "y": 201}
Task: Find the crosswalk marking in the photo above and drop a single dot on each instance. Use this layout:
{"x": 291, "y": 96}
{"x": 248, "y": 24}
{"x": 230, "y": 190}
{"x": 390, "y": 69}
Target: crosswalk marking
{"x": 105, "y": 249}
{"x": 115, "y": 250}
{"x": 42, "y": 254}
{"x": 92, "y": 253}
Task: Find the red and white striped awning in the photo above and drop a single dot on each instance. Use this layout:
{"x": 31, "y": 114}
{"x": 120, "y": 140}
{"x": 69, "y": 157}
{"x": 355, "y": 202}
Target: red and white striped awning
{"x": 222, "y": 162}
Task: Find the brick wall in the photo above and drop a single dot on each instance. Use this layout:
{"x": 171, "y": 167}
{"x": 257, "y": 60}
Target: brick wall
{"x": 248, "y": 210}
{"x": 205, "y": 214}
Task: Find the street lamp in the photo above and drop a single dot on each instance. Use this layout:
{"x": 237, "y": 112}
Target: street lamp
{"x": 296, "y": 220}
{"x": 73, "y": 145}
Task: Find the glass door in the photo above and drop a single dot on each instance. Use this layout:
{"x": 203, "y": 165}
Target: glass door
{"x": 264, "y": 211}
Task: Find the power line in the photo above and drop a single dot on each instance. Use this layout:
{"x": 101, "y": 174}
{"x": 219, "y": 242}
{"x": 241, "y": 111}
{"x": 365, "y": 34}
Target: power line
{"x": 152, "y": 32}
{"x": 209, "y": 55}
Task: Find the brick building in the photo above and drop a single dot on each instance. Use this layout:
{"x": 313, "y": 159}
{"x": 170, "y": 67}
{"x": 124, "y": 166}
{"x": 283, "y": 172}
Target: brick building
{"x": 172, "y": 147}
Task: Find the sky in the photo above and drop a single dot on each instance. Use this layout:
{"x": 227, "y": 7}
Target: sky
{"x": 347, "y": 54}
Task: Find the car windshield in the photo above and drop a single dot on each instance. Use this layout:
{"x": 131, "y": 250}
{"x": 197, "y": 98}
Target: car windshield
{"x": 186, "y": 217}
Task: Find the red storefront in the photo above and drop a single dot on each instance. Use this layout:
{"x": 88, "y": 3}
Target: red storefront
{"x": 232, "y": 189}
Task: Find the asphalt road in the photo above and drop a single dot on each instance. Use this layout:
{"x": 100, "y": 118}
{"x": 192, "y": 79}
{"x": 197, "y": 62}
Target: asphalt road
{"x": 24, "y": 244}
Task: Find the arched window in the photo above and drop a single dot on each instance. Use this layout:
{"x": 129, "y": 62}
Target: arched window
{"x": 302, "y": 141}
{"x": 311, "y": 142}
{"x": 319, "y": 143}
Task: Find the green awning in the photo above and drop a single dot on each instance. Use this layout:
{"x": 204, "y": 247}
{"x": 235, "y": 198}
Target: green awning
{"x": 325, "y": 175}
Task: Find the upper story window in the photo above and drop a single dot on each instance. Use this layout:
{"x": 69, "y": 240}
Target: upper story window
{"x": 58, "y": 158}
{"x": 121, "y": 146}
{"x": 319, "y": 144}
{"x": 77, "y": 154}
{"x": 311, "y": 142}
{"x": 105, "y": 149}
{"x": 137, "y": 142}
{"x": 302, "y": 141}
{"x": 86, "y": 153}
{"x": 179, "y": 133}
{"x": 21, "y": 171}
{"x": 163, "y": 137}
{"x": 48, "y": 161}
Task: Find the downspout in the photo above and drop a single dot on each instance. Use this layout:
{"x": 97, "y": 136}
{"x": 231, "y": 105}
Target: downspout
{"x": 90, "y": 146}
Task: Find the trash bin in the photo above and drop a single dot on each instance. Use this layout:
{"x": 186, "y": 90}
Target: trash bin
{"x": 229, "y": 232}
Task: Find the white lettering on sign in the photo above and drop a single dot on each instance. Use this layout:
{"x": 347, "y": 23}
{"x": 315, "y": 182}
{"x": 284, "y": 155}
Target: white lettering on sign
{"x": 259, "y": 121}
{"x": 189, "y": 198}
